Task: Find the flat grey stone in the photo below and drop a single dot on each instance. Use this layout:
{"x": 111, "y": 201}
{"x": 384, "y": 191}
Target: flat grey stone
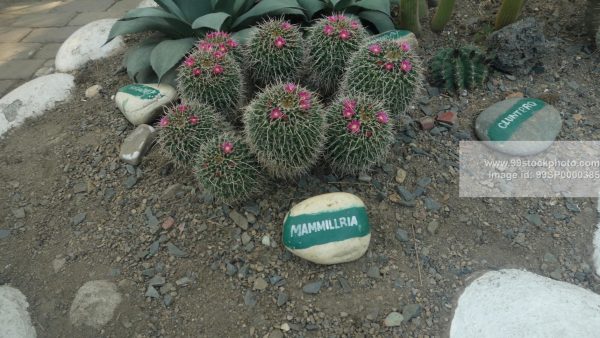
{"x": 282, "y": 298}
{"x": 250, "y": 298}
{"x": 313, "y": 287}
{"x": 152, "y": 293}
{"x": 175, "y": 251}
{"x": 4, "y": 233}
{"x": 19, "y": 213}
{"x": 393, "y": 319}
{"x": 79, "y": 218}
{"x": 157, "y": 281}
{"x": 239, "y": 219}
{"x": 411, "y": 311}
{"x": 94, "y": 304}
{"x": 136, "y": 144}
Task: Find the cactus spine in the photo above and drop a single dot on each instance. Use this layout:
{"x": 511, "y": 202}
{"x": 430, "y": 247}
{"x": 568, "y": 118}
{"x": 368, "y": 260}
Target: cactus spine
{"x": 442, "y": 15}
{"x": 360, "y": 134}
{"x": 285, "y": 128}
{"x": 459, "y": 68}
{"x": 331, "y": 41}
{"x": 509, "y": 11}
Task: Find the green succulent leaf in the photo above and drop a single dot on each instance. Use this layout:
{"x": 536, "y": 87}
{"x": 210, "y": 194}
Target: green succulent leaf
{"x": 171, "y": 7}
{"x": 150, "y": 12}
{"x": 146, "y": 24}
{"x": 381, "y": 21}
{"x": 137, "y": 61}
{"x": 243, "y": 35}
{"x": 193, "y": 9}
{"x": 312, "y": 7}
{"x": 340, "y": 5}
{"x": 231, "y": 7}
{"x": 374, "y": 5}
{"x": 263, "y": 8}
{"x": 213, "y": 21}
{"x": 167, "y": 54}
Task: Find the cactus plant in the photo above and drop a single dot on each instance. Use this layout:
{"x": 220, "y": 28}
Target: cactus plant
{"x": 285, "y": 128}
{"x": 184, "y": 128}
{"x": 227, "y": 169}
{"x": 509, "y": 11}
{"x": 330, "y": 42}
{"x": 409, "y": 16}
{"x": 359, "y": 135}
{"x": 387, "y": 70}
{"x": 459, "y": 68}
{"x": 213, "y": 77}
{"x": 275, "y": 53}
{"x": 593, "y": 19}
{"x": 442, "y": 15}
{"x": 222, "y": 42}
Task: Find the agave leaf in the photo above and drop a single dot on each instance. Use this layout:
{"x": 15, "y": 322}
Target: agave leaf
{"x": 193, "y": 9}
{"x": 263, "y": 8}
{"x": 243, "y": 35}
{"x": 213, "y": 21}
{"x": 168, "y": 53}
{"x": 312, "y": 6}
{"x": 139, "y": 25}
{"x": 379, "y": 20}
{"x": 231, "y": 7}
{"x": 137, "y": 60}
{"x": 341, "y": 5}
{"x": 150, "y": 12}
{"x": 374, "y": 5}
{"x": 171, "y": 7}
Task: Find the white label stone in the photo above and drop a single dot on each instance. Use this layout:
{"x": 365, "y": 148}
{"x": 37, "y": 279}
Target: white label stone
{"x": 143, "y": 103}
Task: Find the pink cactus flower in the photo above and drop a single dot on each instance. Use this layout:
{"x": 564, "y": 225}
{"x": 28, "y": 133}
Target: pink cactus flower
{"x": 218, "y": 69}
{"x": 227, "y": 147}
{"x": 349, "y": 104}
{"x": 388, "y": 66}
{"x": 223, "y": 48}
{"x": 375, "y": 49}
{"x": 382, "y": 117}
{"x": 286, "y": 25}
{"x": 219, "y": 55}
{"x": 348, "y": 112}
{"x": 205, "y": 46}
{"x": 406, "y": 66}
{"x": 332, "y": 18}
{"x": 280, "y": 42}
{"x": 196, "y": 72}
{"x": 354, "y": 126}
{"x": 328, "y": 30}
{"x": 305, "y": 105}
{"x": 194, "y": 120}
{"x": 304, "y": 95}
{"x": 289, "y": 87}
{"x": 276, "y": 114}
{"x": 164, "y": 122}
{"x": 232, "y": 43}
{"x": 189, "y": 62}
{"x": 354, "y": 25}
{"x": 405, "y": 46}
{"x": 345, "y": 34}
{"x": 182, "y": 108}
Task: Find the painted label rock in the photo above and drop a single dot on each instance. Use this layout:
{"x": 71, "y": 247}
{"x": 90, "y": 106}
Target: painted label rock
{"x": 399, "y": 35}
{"x": 328, "y": 229}
{"x": 519, "y": 119}
{"x": 143, "y": 103}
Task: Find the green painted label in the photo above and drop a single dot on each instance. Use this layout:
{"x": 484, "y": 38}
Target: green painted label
{"x": 141, "y": 91}
{"x": 392, "y": 35}
{"x": 306, "y": 230}
{"x": 511, "y": 120}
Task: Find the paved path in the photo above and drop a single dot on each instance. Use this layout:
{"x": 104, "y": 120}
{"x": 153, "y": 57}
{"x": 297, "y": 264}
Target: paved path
{"x": 31, "y": 31}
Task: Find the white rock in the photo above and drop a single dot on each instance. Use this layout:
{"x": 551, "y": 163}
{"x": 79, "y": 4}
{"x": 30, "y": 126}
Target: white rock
{"x": 93, "y": 91}
{"x": 328, "y": 229}
{"x": 33, "y": 99}
{"x": 94, "y": 304}
{"x": 136, "y": 145}
{"x": 515, "y": 304}
{"x": 143, "y": 103}
{"x": 147, "y": 3}
{"x": 86, "y": 44}
{"x": 14, "y": 318}
{"x": 393, "y": 319}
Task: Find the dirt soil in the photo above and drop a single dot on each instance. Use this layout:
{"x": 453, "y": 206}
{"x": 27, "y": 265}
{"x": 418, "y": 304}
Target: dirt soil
{"x": 65, "y": 164}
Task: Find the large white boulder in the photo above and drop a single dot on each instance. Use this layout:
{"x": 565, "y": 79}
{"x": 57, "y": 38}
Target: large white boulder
{"x": 517, "y": 304}
{"x": 94, "y": 304}
{"x": 33, "y": 99}
{"x": 14, "y": 318}
{"x": 86, "y": 44}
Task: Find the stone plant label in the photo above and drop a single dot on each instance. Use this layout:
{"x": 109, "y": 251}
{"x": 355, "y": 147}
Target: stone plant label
{"x": 142, "y": 103}
{"x": 328, "y": 229}
{"x": 398, "y": 35}
{"x": 519, "y": 119}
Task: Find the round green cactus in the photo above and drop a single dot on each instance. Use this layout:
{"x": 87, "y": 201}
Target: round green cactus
{"x": 459, "y": 68}
{"x": 211, "y": 76}
{"x": 359, "y": 135}
{"x": 275, "y": 53}
{"x": 184, "y": 128}
{"x": 222, "y": 42}
{"x": 227, "y": 169}
{"x": 285, "y": 127}
{"x": 330, "y": 42}
{"x": 386, "y": 70}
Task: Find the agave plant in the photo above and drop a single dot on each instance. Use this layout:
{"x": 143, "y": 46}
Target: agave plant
{"x": 374, "y": 14}
{"x": 182, "y": 22}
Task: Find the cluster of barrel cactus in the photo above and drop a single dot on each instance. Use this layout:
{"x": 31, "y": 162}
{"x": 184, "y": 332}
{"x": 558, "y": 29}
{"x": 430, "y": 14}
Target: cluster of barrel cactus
{"x": 285, "y": 129}
{"x": 459, "y": 68}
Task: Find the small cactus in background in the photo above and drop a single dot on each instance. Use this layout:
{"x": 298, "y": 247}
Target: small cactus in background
{"x": 222, "y": 42}
{"x": 211, "y": 76}
{"x": 359, "y": 135}
{"x": 442, "y": 15}
{"x": 386, "y": 70}
{"x": 184, "y": 128}
{"x": 285, "y": 128}
{"x": 275, "y": 53}
{"x": 459, "y": 68}
{"x": 227, "y": 169}
{"x": 509, "y": 12}
{"x": 592, "y": 19}
{"x": 330, "y": 42}
{"x": 409, "y": 16}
